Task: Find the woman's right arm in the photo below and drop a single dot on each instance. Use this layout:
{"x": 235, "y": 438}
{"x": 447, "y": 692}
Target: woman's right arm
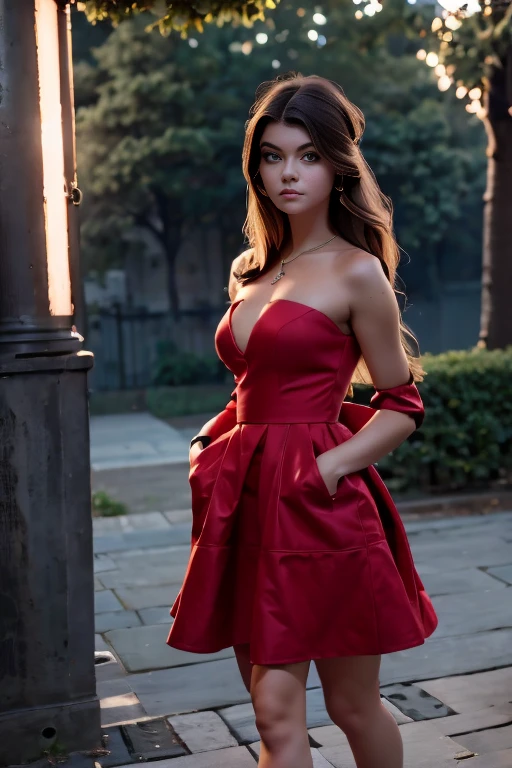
{"x": 226, "y": 419}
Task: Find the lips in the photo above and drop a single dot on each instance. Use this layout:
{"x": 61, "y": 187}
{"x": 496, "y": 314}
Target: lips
{"x": 290, "y": 192}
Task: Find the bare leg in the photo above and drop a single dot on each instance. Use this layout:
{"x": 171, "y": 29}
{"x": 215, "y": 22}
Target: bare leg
{"x": 244, "y": 664}
{"x": 352, "y": 699}
{"x": 279, "y": 699}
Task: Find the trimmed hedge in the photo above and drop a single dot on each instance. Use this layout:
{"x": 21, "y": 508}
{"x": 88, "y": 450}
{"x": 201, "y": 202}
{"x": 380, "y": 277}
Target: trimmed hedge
{"x": 466, "y": 438}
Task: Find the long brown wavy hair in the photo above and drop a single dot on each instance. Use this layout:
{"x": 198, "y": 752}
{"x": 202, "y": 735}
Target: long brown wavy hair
{"x": 364, "y": 218}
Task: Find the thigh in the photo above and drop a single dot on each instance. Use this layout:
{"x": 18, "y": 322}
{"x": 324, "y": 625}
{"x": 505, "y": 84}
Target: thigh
{"x": 279, "y": 692}
{"x": 352, "y": 679}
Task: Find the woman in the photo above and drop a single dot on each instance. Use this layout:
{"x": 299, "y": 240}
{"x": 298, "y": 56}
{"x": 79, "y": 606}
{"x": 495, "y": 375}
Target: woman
{"x": 298, "y": 552}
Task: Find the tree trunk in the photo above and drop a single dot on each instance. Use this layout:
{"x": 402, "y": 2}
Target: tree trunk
{"x": 496, "y": 316}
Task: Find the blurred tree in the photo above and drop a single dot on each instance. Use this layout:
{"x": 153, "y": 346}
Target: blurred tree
{"x": 421, "y": 146}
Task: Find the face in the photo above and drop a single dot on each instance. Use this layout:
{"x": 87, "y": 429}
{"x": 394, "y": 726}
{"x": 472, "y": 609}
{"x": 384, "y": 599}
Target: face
{"x": 290, "y": 161}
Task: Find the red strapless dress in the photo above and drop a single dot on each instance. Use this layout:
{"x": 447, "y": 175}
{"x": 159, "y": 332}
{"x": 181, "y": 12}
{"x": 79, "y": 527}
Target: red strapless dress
{"x": 276, "y": 561}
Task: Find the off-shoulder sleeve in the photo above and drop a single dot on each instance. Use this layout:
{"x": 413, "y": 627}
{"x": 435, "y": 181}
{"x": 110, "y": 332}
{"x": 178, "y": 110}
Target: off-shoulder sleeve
{"x": 404, "y": 398}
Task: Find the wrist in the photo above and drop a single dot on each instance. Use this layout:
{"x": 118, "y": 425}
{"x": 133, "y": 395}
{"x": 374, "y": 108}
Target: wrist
{"x": 203, "y": 439}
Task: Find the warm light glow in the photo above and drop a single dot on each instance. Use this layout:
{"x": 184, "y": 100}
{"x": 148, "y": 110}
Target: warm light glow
{"x": 319, "y": 18}
{"x": 378, "y": 7}
{"x": 461, "y": 92}
{"x": 447, "y": 37}
{"x": 301, "y": 12}
{"x": 440, "y": 70}
{"x": 452, "y": 23}
{"x": 475, "y": 93}
{"x": 474, "y": 107}
{"x": 261, "y": 38}
{"x": 359, "y": 14}
{"x": 246, "y": 47}
{"x": 432, "y": 59}
{"x": 421, "y": 54}
{"x": 369, "y": 10}
{"x": 444, "y": 83}
{"x": 313, "y": 34}
{"x": 55, "y": 202}
{"x": 437, "y": 24}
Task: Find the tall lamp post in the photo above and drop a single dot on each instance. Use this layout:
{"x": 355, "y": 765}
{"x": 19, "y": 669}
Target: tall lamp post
{"x": 47, "y": 681}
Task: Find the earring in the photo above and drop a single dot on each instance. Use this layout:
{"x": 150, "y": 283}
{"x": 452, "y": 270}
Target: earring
{"x": 340, "y": 189}
{"x": 262, "y": 191}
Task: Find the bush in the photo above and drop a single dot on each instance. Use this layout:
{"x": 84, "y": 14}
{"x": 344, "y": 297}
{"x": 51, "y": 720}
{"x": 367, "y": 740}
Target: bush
{"x": 466, "y": 438}
{"x": 104, "y": 506}
{"x": 175, "y": 367}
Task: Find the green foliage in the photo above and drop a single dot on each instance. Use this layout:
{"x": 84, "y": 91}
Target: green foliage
{"x": 466, "y": 438}
{"x": 181, "y": 15}
{"x": 176, "y": 367}
{"x": 104, "y": 506}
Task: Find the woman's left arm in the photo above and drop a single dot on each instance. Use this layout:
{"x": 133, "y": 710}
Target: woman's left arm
{"x": 375, "y": 321}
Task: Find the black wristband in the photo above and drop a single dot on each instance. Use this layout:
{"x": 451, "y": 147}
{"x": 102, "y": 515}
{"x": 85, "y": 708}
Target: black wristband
{"x": 204, "y": 439}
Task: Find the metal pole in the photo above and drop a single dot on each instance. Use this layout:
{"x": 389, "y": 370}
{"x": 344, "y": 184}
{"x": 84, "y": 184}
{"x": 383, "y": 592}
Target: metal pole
{"x": 47, "y": 679}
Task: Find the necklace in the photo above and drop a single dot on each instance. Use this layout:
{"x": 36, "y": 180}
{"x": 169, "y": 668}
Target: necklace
{"x": 280, "y": 274}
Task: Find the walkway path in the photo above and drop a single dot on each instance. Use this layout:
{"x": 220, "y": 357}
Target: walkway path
{"x": 452, "y": 696}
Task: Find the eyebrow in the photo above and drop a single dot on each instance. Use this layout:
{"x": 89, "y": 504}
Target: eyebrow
{"x": 274, "y": 146}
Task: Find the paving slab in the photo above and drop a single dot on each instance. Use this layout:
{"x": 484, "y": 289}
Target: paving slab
{"x": 136, "y": 598}
{"x": 103, "y": 562}
{"x": 172, "y": 536}
{"x": 116, "y": 620}
{"x": 490, "y": 740}
{"x": 98, "y": 586}
{"x": 156, "y": 615}
{"x": 502, "y": 759}
{"x": 179, "y": 516}
{"x": 329, "y": 736}
{"x": 319, "y": 760}
{"x": 234, "y": 757}
{"x": 118, "y": 749}
{"x": 448, "y": 656}
{"x": 121, "y": 709}
{"x": 184, "y": 689}
{"x": 473, "y": 612}
{"x": 479, "y": 719}
{"x": 152, "y": 740}
{"x": 415, "y": 702}
{"x": 455, "y": 582}
{"x": 106, "y": 601}
{"x": 142, "y": 648}
{"x": 134, "y": 440}
{"x": 157, "y": 556}
{"x": 469, "y": 693}
{"x": 503, "y": 572}
{"x": 148, "y": 575}
{"x": 203, "y": 731}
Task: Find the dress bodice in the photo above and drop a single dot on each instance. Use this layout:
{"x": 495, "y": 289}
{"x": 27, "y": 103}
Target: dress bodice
{"x": 297, "y": 365}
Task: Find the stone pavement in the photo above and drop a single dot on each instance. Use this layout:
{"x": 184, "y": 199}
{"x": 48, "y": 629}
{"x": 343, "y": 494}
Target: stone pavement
{"x": 452, "y": 697}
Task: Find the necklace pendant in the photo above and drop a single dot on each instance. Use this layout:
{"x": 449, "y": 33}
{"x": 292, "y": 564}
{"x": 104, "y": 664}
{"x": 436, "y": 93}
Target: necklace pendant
{"x": 277, "y": 277}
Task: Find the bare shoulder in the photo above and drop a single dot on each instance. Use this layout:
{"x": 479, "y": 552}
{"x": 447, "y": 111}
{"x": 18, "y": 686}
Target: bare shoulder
{"x": 237, "y": 265}
{"x": 362, "y": 274}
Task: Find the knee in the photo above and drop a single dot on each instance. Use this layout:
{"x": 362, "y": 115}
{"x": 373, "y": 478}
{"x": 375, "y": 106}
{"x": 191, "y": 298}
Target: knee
{"x": 352, "y": 715}
{"x": 273, "y": 721}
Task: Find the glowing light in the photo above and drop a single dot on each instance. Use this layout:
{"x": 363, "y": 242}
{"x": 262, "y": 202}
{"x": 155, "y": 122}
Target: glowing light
{"x": 313, "y": 34}
{"x": 301, "y": 12}
{"x": 247, "y": 47}
{"x": 444, "y": 83}
{"x": 52, "y": 143}
{"x": 411, "y": 2}
{"x": 432, "y": 59}
{"x": 319, "y": 18}
{"x": 322, "y": 40}
{"x": 440, "y": 70}
{"x": 452, "y": 23}
{"x": 421, "y": 54}
{"x": 193, "y": 42}
{"x": 461, "y": 92}
{"x": 235, "y": 47}
{"x": 261, "y": 38}
{"x": 475, "y": 93}
{"x": 369, "y": 10}
{"x": 378, "y": 7}
{"x": 447, "y": 37}
{"x": 437, "y": 24}
{"x": 357, "y": 2}
{"x": 359, "y": 14}
{"x": 474, "y": 107}
{"x": 276, "y": 64}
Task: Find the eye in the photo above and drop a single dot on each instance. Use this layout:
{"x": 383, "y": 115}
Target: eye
{"x": 266, "y": 155}
{"x": 315, "y": 156}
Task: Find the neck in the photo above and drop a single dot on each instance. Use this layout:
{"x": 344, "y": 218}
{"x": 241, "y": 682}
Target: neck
{"x": 308, "y": 230}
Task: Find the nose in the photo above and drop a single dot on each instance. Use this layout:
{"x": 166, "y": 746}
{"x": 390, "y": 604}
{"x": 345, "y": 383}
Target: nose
{"x": 289, "y": 171}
